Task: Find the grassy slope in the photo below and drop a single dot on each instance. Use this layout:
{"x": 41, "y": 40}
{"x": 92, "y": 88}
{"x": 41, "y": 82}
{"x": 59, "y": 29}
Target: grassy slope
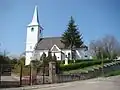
{"x": 113, "y": 73}
{"x": 83, "y": 69}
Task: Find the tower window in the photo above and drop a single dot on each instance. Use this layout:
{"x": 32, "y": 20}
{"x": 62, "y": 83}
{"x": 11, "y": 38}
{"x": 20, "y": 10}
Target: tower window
{"x": 32, "y": 29}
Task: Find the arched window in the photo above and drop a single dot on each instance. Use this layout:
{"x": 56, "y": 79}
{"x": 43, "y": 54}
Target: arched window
{"x": 32, "y": 29}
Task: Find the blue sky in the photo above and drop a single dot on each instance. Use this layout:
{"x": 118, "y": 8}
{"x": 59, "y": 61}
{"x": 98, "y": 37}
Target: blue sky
{"x": 95, "y": 19}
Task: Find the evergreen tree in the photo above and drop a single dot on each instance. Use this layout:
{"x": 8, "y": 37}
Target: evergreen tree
{"x": 43, "y": 57}
{"x": 57, "y": 64}
{"x": 4, "y": 59}
{"x": 43, "y": 61}
{"x": 71, "y": 37}
{"x": 49, "y": 57}
{"x": 54, "y": 58}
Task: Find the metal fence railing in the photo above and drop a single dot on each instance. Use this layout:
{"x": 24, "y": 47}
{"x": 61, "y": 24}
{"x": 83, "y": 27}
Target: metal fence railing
{"x": 8, "y": 79}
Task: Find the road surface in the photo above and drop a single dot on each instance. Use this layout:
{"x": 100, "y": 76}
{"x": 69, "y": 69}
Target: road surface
{"x": 111, "y": 83}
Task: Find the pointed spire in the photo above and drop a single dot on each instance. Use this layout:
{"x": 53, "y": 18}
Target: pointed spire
{"x": 35, "y": 19}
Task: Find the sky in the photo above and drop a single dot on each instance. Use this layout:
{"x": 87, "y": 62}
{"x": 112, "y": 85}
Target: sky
{"x": 95, "y": 19}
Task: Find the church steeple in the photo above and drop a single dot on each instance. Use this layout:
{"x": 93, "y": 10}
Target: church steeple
{"x": 35, "y": 19}
{"x": 34, "y": 33}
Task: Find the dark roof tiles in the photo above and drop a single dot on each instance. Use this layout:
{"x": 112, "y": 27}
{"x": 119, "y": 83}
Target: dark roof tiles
{"x": 47, "y": 43}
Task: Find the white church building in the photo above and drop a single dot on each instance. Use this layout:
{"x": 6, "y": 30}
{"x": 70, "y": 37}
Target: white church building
{"x": 36, "y": 44}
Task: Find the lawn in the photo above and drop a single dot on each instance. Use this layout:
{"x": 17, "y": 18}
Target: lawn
{"x": 112, "y": 73}
{"x": 83, "y": 70}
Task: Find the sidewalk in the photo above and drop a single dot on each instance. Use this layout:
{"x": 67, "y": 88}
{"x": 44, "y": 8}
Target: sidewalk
{"x": 38, "y": 86}
{"x": 89, "y": 84}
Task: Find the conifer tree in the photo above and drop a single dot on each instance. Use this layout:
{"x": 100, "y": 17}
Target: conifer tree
{"x": 72, "y": 38}
{"x": 54, "y": 58}
{"x": 49, "y": 57}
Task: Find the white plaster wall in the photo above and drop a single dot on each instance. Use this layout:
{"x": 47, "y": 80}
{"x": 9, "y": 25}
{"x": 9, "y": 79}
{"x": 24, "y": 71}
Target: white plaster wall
{"x": 81, "y": 53}
{"x": 58, "y": 56}
{"x": 28, "y": 58}
{"x": 40, "y": 52}
{"x": 32, "y": 36}
{"x": 63, "y": 56}
{"x": 46, "y": 52}
{"x": 66, "y": 53}
{"x": 31, "y": 40}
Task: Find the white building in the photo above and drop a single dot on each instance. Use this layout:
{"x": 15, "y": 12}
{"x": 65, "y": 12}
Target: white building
{"x": 36, "y": 44}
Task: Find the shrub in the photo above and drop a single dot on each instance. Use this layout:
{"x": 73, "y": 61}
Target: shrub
{"x": 77, "y": 61}
{"x": 81, "y": 64}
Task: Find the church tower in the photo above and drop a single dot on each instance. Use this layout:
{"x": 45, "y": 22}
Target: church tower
{"x": 33, "y": 34}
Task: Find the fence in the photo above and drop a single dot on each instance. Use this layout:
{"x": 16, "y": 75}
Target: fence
{"x": 90, "y": 74}
{"x": 5, "y": 76}
{"x": 51, "y": 77}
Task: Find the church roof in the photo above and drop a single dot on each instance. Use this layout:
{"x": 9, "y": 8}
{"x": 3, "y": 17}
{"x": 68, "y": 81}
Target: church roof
{"x": 47, "y": 43}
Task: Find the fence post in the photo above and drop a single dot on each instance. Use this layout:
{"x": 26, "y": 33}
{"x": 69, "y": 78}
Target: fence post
{"x": 102, "y": 65}
{"x": 43, "y": 73}
{"x": 52, "y": 72}
{"x": 30, "y": 79}
{"x": 21, "y": 70}
{"x": 0, "y": 73}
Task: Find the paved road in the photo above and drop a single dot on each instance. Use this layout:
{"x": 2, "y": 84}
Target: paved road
{"x": 112, "y": 83}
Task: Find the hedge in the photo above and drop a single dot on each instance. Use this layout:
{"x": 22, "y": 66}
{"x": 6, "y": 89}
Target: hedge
{"x": 82, "y": 64}
{"x": 77, "y": 61}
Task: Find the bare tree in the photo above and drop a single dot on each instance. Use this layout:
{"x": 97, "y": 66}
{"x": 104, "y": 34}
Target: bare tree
{"x": 95, "y": 48}
{"x": 108, "y": 46}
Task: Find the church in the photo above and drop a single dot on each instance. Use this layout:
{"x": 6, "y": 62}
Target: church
{"x": 36, "y": 44}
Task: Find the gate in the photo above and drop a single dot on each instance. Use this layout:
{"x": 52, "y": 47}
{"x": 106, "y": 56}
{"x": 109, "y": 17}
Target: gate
{"x": 45, "y": 75}
{"x": 6, "y": 77}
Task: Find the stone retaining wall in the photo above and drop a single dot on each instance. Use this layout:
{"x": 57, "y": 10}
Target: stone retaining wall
{"x": 90, "y": 74}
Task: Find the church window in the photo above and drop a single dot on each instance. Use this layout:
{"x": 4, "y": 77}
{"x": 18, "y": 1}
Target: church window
{"x": 86, "y": 56}
{"x": 68, "y": 54}
{"x": 32, "y": 29}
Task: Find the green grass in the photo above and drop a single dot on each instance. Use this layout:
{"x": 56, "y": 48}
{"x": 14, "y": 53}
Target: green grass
{"x": 112, "y": 73}
{"x": 83, "y": 70}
